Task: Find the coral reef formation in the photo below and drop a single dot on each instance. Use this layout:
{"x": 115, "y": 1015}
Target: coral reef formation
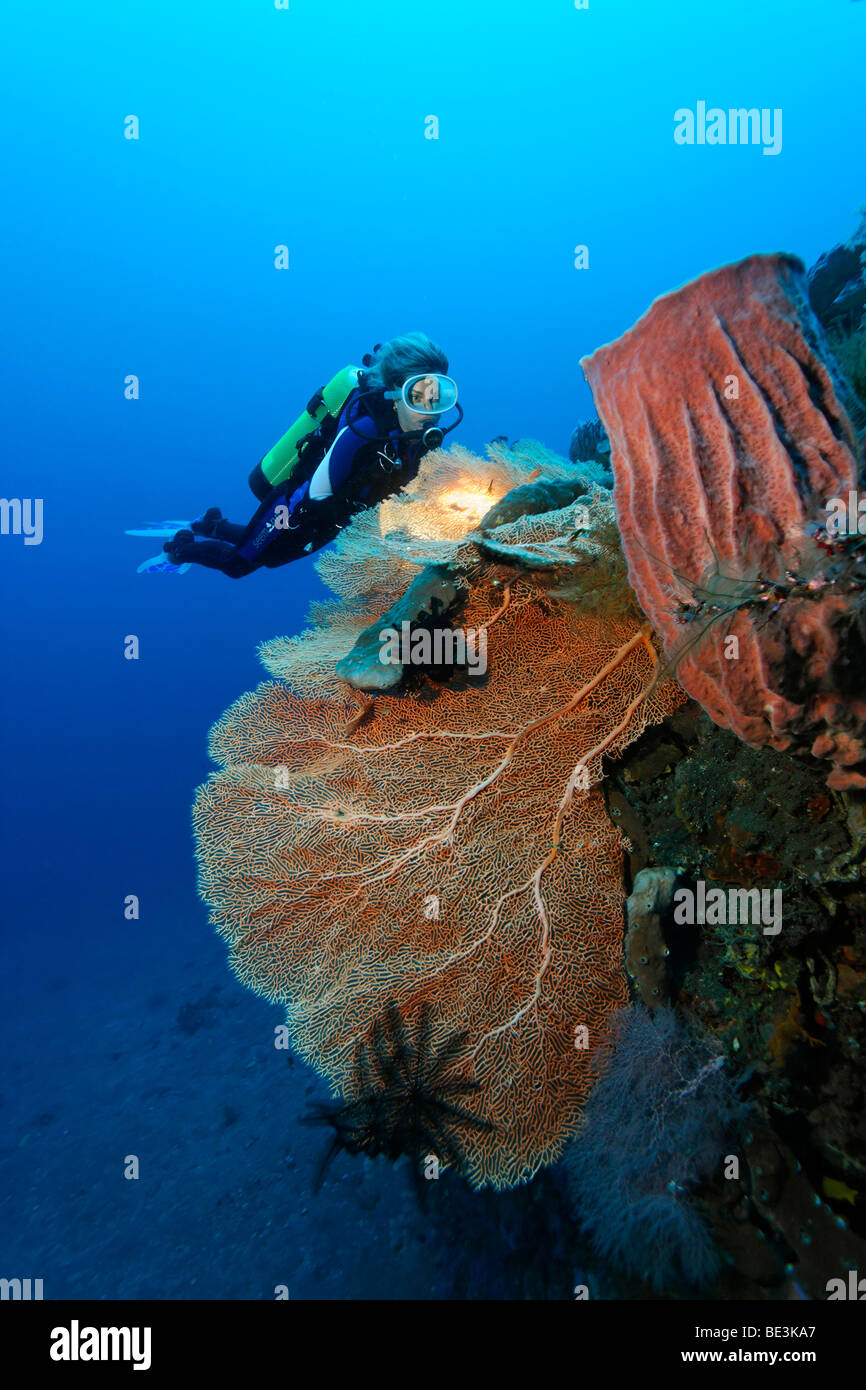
{"x": 837, "y": 282}
{"x": 443, "y": 844}
{"x": 730, "y": 437}
{"x": 646, "y": 950}
{"x": 774, "y": 1224}
{"x": 837, "y": 292}
{"x": 656, "y": 1126}
{"x": 589, "y": 442}
{"x": 423, "y": 862}
{"x": 789, "y": 1008}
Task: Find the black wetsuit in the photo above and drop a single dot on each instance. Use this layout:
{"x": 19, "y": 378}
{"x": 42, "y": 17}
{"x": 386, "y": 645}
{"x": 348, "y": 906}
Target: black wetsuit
{"x": 365, "y": 463}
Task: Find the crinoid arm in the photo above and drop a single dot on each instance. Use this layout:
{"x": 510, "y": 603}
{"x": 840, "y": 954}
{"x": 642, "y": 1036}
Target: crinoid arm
{"x": 405, "y": 1094}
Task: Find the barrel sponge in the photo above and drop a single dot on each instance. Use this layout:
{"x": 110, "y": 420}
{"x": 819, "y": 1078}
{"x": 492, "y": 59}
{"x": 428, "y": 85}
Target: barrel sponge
{"x": 730, "y": 435}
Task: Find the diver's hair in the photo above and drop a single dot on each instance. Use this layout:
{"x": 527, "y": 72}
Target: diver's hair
{"x": 403, "y": 357}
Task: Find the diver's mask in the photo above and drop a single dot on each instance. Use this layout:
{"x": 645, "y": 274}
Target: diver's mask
{"x": 428, "y": 394}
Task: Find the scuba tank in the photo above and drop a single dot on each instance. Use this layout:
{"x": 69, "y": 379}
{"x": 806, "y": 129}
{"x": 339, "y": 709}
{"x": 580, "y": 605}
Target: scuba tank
{"x": 280, "y": 463}
{"x": 294, "y": 457}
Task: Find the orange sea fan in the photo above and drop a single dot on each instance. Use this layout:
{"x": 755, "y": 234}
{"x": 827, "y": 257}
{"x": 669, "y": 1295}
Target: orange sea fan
{"x": 444, "y": 846}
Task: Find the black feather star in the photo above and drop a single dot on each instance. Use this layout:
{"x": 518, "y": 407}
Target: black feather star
{"x": 405, "y": 1096}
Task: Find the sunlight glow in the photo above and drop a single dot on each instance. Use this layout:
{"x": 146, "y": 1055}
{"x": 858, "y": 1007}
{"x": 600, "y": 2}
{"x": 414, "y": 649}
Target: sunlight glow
{"x": 473, "y": 503}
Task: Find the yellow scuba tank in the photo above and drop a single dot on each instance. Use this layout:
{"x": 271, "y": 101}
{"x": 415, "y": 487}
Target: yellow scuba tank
{"x": 280, "y": 462}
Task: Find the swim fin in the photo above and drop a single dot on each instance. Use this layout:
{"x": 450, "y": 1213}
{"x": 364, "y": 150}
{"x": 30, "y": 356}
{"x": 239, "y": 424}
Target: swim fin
{"x": 161, "y": 564}
{"x": 160, "y": 530}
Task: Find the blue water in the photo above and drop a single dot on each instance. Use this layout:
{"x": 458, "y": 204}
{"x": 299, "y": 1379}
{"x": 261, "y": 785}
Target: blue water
{"x": 155, "y": 257}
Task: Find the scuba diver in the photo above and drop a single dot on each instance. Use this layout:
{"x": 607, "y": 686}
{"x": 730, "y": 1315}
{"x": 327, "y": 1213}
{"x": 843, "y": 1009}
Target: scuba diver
{"x": 360, "y": 439}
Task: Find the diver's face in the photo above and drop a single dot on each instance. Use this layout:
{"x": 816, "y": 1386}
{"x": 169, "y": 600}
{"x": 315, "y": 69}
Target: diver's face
{"x": 425, "y": 392}
{"x": 408, "y": 419}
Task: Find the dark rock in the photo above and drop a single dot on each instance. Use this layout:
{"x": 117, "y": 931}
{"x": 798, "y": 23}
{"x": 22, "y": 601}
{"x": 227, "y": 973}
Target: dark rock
{"x": 432, "y": 598}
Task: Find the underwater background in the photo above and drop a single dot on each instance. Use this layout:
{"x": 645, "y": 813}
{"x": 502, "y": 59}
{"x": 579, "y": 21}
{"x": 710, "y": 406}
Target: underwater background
{"x": 305, "y": 126}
